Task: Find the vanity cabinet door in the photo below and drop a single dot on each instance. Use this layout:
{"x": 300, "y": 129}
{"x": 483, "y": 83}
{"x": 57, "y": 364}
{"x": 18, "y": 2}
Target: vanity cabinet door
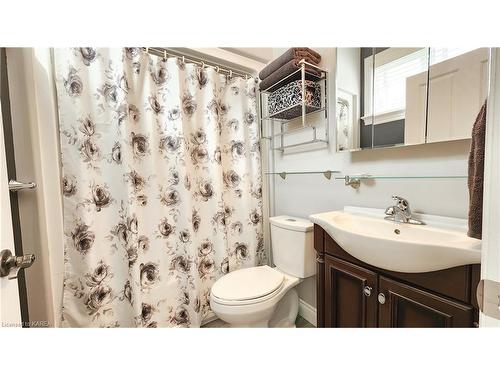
{"x": 350, "y": 295}
{"x": 404, "y": 306}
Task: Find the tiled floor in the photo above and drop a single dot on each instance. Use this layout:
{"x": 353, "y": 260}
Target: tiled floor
{"x": 216, "y": 324}
{"x": 300, "y": 323}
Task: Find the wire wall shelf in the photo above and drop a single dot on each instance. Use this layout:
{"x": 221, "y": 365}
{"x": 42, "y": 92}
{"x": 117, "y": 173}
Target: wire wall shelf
{"x": 285, "y": 121}
{"x": 269, "y": 122}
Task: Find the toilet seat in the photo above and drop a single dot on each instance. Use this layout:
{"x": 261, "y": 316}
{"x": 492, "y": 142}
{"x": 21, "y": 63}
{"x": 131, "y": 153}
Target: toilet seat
{"x": 256, "y": 311}
{"x": 246, "y": 302}
{"x": 248, "y": 286}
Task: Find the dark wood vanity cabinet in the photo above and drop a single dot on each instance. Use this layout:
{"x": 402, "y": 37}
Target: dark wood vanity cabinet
{"x": 406, "y": 306}
{"x": 351, "y": 293}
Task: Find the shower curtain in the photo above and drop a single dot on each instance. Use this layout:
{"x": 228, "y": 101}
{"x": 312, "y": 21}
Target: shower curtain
{"x": 161, "y": 186}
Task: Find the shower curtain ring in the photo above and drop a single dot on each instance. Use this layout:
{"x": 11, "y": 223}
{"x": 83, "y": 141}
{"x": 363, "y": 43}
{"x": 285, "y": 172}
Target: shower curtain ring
{"x": 217, "y": 69}
{"x": 203, "y": 65}
{"x": 164, "y": 54}
{"x": 183, "y": 60}
{"x": 230, "y": 74}
{"x": 147, "y": 49}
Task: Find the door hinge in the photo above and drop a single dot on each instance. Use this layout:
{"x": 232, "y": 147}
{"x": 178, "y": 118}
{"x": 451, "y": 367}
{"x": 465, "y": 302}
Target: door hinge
{"x": 488, "y": 298}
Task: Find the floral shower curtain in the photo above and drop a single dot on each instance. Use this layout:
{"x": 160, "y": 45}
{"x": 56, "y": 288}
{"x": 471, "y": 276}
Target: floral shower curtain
{"x": 161, "y": 184}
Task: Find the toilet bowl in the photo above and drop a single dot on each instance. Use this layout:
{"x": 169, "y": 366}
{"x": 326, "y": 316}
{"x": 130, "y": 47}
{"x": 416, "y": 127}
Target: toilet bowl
{"x": 264, "y": 296}
{"x": 260, "y": 291}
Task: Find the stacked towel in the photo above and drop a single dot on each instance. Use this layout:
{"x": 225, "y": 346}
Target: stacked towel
{"x": 287, "y": 63}
{"x": 297, "y": 53}
{"x": 476, "y": 174}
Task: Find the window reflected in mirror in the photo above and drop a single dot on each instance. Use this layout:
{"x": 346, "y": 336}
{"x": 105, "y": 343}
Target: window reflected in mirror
{"x": 399, "y": 96}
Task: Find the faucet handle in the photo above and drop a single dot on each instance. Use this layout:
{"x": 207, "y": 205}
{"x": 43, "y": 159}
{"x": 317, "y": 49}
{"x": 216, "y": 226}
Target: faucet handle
{"x": 401, "y": 202}
{"x": 390, "y": 211}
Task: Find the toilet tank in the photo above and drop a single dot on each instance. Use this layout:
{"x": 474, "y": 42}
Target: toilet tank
{"x": 292, "y": 245}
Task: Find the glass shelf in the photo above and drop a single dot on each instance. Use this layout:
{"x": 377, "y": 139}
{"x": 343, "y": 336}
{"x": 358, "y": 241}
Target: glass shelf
{"x": 361, "y": 177}
{"x": 328, "y": 174}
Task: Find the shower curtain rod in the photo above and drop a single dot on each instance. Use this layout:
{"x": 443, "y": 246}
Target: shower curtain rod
{"x": 227, "y": 70}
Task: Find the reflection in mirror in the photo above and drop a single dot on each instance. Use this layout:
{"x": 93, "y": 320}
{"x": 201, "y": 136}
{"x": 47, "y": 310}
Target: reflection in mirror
{"x": 381, "y": 97}
{"x": 458, "y": 84}
{"x": 399, "y": 96}
{"x": 351, "y": 102}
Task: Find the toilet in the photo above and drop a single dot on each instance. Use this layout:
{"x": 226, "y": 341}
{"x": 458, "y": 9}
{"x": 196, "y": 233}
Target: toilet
{"x": 265, "y": 296}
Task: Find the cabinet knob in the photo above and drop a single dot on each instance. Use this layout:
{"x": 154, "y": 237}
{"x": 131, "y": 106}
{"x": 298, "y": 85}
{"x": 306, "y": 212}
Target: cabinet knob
{"x": 367, "y": 291}
{"x": 381, "y": 298}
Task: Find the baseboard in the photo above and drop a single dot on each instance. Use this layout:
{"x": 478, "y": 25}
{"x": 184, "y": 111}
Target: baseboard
{"x": 307, "y": 312}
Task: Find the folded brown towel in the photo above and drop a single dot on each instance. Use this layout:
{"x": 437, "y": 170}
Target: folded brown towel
{"x": 297, "y": 53}
{"x": 476, "y": 173}
{"x": 287, "y": 69}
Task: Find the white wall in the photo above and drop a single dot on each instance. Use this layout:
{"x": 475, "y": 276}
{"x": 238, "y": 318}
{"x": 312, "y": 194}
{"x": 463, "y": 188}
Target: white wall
{"x": 302, "y": 195}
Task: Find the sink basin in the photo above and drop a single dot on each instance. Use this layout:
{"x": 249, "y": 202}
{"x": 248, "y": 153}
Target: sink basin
{"x": 362, "y": 232}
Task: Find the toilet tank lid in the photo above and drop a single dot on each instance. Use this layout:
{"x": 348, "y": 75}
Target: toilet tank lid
{"x": 292, "y": 223}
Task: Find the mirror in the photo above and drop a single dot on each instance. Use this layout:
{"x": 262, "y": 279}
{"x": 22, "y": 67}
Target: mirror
{"x": 383, "y": 100}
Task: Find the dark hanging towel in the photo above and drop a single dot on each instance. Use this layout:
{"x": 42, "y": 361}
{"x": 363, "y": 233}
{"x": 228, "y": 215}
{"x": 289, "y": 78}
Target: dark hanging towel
{"x": 476, "y": 174}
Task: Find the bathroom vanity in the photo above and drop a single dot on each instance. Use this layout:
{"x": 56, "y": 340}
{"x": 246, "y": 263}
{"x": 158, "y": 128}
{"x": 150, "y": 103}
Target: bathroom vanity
{"x": 354, "y": 293}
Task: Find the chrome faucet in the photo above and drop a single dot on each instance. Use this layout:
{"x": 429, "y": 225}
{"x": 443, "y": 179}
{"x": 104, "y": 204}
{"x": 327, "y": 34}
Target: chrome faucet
{"x": 401, "y": 212}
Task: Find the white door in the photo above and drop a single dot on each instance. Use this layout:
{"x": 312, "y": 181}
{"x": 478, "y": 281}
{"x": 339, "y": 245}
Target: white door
{"x": 10, "y": 308}
{"x": 490, "y": 260}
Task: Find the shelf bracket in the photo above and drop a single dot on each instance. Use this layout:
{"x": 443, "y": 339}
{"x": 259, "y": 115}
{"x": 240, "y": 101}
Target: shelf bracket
{"x": 353, "y": 182}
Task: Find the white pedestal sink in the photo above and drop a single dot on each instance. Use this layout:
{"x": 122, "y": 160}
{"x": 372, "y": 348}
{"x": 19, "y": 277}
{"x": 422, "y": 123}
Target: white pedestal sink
{"x": 362, "y": 232}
